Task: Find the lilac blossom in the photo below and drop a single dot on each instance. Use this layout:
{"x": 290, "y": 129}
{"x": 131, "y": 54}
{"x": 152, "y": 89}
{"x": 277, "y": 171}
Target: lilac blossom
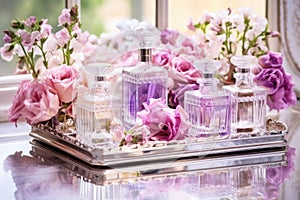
{"x": 30, "y": 21}
{"x": 65, "y": 17}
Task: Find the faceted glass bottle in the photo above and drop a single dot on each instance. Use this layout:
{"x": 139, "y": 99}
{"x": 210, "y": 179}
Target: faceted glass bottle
{"x": 248, "y": 99}
{"x": 140, "y": 84}
{"x": 94, "y": 112}
{"x": 209, "y": 108}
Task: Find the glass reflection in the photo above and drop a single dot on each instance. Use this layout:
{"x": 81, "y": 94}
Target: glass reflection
{"x": 47, "y": 176}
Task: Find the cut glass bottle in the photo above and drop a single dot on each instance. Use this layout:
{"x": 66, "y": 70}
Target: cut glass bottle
{"x": 94, "y": 108}
{"x": 209, "y": 108}
{"x": 248, "y": 99}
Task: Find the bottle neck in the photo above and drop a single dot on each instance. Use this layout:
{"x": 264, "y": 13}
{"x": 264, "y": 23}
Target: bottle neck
{"x": 208, "y": 85}
{"x": 145, "y": 55}
{"x": 244, "y": 77}
{"x": 100, "y": 88}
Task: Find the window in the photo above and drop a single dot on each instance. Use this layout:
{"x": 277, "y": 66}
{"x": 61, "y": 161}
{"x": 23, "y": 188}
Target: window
{"x": 100, "y": 16}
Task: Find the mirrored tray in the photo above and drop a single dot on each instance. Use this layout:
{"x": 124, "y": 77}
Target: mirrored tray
{"x": 272, "y": 141}
{"x": 100, "y": 175}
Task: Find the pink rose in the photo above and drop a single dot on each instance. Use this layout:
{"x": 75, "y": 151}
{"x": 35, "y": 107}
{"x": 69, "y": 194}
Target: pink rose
{"x": 165, "y": 124}
{"x": 34, "y": 102}
{"x": 61, "y": 80}
{"x": 176, "y": 96}
{"x": 162, "y": 58}
{"x": 184, "y": 70}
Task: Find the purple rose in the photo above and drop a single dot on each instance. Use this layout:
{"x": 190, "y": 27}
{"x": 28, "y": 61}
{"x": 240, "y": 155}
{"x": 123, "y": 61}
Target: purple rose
{"x": 284, "y": 96}
{"x": 270, "y": 78}
{"x": 271, "y": 59}
{"x": 165, "y": 124}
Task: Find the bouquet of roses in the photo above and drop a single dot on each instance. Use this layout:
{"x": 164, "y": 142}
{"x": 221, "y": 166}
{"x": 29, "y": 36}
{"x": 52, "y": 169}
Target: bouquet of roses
{"x": 53, "y": 59}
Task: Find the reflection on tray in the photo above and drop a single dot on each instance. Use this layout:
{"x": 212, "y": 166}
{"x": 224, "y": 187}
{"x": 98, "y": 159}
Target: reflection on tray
{"x": 226, "y": 177}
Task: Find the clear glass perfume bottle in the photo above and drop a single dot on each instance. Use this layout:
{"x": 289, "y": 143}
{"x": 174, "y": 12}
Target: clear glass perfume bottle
{"x": 248, "y": 99}
{"x": 209, "y": 108}
{"x": 94, "y": 108}
{"x": 140, "y": 84}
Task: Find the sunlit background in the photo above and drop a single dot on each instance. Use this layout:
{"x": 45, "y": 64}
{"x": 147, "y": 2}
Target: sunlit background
{"x": 100, "y": 16}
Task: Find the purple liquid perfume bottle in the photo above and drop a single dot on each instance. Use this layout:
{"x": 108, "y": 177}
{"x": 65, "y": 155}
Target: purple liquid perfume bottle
{"x": 209, "y": 108}
{"x": 140, "y": 84}
{"x": 248, "y": 99}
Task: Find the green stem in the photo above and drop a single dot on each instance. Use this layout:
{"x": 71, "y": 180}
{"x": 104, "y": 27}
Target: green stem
{"x": 252, "y": 42}
{"x": 43, "y": 54}
{"x": 68, "y": 53}
{"x": 29, "y": 62}
{"x": 244, "y": 36}
{"x": 226, "y": 41}
{"x": 64, "y": 55}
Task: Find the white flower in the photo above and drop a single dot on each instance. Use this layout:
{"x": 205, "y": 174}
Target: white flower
{"x": 247, "y": 12}
{"x": 259, "y": 24}
{"x": 206, "y": 17}
{"x": 50, "y": 44}
{"x": 237, "y": 19}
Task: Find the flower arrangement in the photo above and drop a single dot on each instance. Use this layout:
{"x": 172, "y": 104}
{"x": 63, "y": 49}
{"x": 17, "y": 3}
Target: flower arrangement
{"x": 226, "y": 33}
{"x": 53, "y": 60}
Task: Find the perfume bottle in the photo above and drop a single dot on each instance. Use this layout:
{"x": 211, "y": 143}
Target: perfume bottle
{"x": 94, "y": 108}
{"x": 248, "y": 99}
{"x": 209, "y": 108}
{"x": 140, "y": 84}
{"x": 143, "y": 81}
